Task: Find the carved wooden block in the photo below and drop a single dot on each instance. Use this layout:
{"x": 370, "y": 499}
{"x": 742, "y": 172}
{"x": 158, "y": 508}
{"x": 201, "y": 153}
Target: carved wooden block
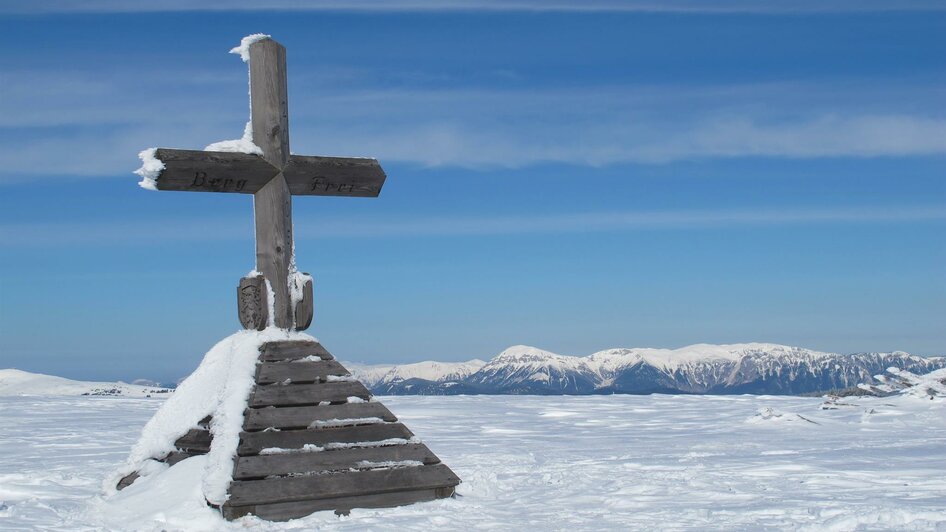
{"x": 253, "y": 303}
{"x": 305, "y": 308}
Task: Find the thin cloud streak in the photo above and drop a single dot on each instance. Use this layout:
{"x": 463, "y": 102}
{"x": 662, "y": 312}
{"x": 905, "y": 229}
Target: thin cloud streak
{"x": 593, "y": 126}
{"x": 643, "y": 6}
{"x": 176, "y": 230}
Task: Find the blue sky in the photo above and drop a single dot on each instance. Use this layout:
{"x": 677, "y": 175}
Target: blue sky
{"x": 575, "y": 176}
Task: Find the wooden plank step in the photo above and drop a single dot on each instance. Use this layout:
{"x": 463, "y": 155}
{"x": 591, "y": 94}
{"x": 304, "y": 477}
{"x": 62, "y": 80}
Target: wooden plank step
{"x": 342, "y": 505}
{"x": 292, "y": 350}
{"x": 254, "y": 442}
{"x": 261, "y": 466}
{"x": 178, "y": 456}
{"x": 345, "y": 484}
{"x": 127, "y": 480}
{"x": 196, "y": 440}
{"x": 300, "y": 417}
{"x": 296, "y": 372}
{"x": 307, "y": 394}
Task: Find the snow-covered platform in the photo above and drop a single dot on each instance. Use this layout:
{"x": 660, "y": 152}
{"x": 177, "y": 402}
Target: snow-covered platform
{"x": 288, "y": 431}
{"x": 529, "y": 462}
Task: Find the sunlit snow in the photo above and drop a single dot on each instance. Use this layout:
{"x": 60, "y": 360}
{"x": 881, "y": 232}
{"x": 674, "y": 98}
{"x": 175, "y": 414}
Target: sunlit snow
{"x": 534, "y": 463}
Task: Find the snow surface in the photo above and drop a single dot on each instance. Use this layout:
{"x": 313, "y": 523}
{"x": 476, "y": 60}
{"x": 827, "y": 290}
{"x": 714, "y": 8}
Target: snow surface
{"x": 219, "y": 387}
{"x": 16, "y": 382}
{"x": 927, "y": 386}
{"x": 621, "y": 462}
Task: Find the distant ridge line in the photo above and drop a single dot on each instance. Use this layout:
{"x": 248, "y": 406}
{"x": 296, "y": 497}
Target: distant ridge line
{"x": 753, "y": 368}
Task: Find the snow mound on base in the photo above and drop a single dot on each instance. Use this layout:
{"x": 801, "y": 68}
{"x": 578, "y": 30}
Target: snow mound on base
{"x": 219, "y": 388}
{"x": 171, "y": 500}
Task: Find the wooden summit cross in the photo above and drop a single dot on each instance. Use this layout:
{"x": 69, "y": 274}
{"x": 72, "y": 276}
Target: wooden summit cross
{"x": 302, "y": 397}
{"x": 273, "y": 179}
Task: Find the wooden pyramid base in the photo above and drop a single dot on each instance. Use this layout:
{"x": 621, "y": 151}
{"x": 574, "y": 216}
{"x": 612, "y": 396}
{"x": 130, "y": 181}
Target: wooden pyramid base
{"x": 304, "y": 401}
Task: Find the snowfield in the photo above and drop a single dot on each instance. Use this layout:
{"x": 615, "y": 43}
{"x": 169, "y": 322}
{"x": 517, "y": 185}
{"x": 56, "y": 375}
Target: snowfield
{"x": 534, "y": 463}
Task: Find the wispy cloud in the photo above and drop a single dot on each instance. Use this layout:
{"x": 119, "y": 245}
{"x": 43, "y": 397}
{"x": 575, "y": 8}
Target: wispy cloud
{"x": 148, "y": 232}
{"x": 677, "y": 6}
{"x": 98, "y": 126}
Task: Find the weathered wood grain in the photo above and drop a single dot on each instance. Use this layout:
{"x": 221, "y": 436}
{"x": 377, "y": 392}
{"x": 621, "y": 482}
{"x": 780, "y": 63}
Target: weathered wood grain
{"x": 292, "y": 350}
{"x": 254, "y": 442}
{"x": 272, "y": 206}
{"x": 213, "y": 171}
{"x": 298, "y": 372}
{"x": 269, "y": 103}
{"x": 306, "y": 394}
{"x": 262, "y": 466}
{"x": 342, "y": 505}
{"x": 346, "y": 484}
{"x": 334, "y": 176}
{"x": 195, "y": 440}
{"x": 305, "y": 308}
{"x": 178, "y": 456}
{"x": 171, "y": 459}
{"x": 272, "y": 203}
{"x": 300, "y": 417}
{"x": 127, "y": 480}
{"x": 253, "y": 303}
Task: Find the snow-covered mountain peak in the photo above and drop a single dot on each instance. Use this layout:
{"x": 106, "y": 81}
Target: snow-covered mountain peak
{"x": 524, "y": 353}
{"x": 525, "y": 357}
{"x": 433, "y": 371}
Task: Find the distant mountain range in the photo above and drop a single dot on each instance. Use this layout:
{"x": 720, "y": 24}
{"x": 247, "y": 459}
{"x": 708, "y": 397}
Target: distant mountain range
{"x": 16, "y": 382}
{"x": 697, "y": 369}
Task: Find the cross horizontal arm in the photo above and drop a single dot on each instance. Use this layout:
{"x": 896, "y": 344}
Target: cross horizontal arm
{"x": 242, "y": 173}
{"x": 333, "y": 176}
{"x": 212, "y": 171}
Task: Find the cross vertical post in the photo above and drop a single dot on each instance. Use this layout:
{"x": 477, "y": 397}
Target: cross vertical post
{"x": 272, "y": 204}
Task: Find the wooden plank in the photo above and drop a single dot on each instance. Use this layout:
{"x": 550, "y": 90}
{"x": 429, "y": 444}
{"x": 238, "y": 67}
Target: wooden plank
{"x": 212, "y": 171}
{"x": 272, "y": 207}
{"x": 127, "y": 480}
{"x": 305, "y": 308}
{"x": 307, "y": 394}
{"x": 254, "y": 442}
{"x": 253, "y": 303}
{"x": 300, "y": 417}
{"x": 269, "y": 100}
{"x": 272, "y": 203}
{"x": 261, "y": 466}
{"x": 297, "y": 372}
{"x": 334, "y": 176}
{"x": 194, "y": 440}
{"x": 178, "y": 456}
{"x": 346, "y": 484}
{"x": 292, "y": 350}
{"x": 342, "y": 505}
